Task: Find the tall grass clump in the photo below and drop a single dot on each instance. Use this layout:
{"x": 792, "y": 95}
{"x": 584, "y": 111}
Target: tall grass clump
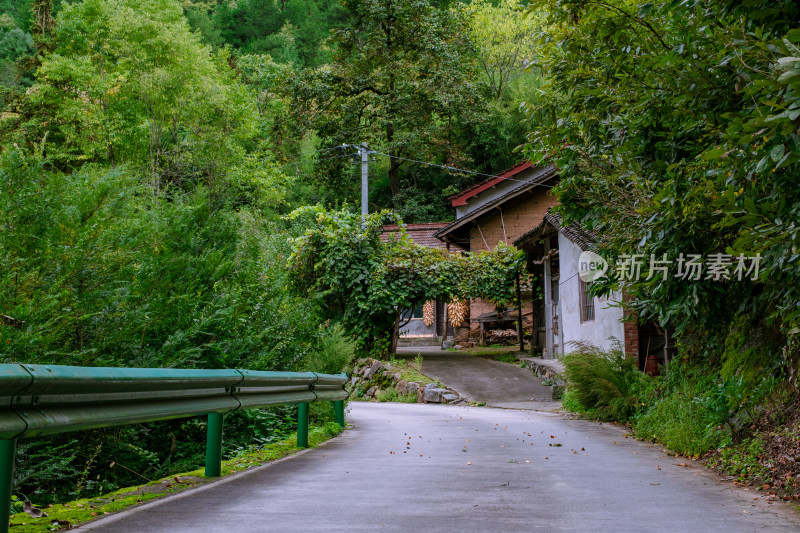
{"x": 602, "y": 383}
{"x": 675, "y": 415}
{"x": 334, "y": 352}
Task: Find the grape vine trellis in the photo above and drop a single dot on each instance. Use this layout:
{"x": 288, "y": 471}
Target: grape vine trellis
{"x": 364, "y": 282}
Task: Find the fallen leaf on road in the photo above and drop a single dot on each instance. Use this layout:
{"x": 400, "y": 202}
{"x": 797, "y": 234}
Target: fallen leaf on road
{"x": 681, "y": 464}
{"x": 659, "y": 467}
{"x": 469, "y": 462}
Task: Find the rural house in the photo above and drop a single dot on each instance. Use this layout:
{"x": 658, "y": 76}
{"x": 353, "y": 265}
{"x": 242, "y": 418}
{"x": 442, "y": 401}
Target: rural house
{"x": 567, "y": 310}
{"x": 500, "y": 208}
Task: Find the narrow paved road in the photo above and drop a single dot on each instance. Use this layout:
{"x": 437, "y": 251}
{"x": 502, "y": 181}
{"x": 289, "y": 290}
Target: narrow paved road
{"x": 464, "y": 469}
{"x": 482, "y": 380}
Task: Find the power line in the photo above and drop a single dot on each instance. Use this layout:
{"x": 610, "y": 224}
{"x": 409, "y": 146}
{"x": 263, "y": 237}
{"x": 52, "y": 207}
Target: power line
{"x": 298, "y": 160}
{"x": 447, "y": 167}
{"x": 410, "y": 160}
{"x": 338, "y": 147}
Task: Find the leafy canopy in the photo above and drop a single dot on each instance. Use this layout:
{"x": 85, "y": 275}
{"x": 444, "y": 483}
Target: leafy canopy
{"x": 676, "y": 129}
{"x": 364, "y": 282}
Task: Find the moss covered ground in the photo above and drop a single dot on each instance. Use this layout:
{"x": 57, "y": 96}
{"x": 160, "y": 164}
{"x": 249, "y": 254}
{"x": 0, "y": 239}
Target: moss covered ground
{"x": 61, "y": 517}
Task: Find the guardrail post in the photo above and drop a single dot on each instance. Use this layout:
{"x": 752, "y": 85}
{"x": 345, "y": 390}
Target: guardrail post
{"x": 338, "y": 410}
{"x": 8, "y": 450}
{"x": 302, "y": 425}
{"x": 214, "y": 445}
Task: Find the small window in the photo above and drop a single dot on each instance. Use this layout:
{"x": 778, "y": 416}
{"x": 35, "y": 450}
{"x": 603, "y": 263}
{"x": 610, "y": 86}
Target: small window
{"x": 587, "y": 302}
{"x": 417, "y": 312}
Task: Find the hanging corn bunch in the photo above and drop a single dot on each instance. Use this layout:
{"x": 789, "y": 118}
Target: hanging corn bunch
{"x": 457, "y": 312}
{"x": 428, "y": 311}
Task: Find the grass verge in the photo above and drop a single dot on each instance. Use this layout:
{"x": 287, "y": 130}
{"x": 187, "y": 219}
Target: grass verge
{"x": 504, "y": 354}
{"x": 61, "y": 517}
{"x": 409, "y": 370}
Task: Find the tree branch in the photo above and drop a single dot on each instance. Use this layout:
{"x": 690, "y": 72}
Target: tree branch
{"x": 639, "y": 20}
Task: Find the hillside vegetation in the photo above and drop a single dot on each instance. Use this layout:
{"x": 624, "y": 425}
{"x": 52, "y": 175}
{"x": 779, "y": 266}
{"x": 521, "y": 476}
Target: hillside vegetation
{"x": 152, "y": 151}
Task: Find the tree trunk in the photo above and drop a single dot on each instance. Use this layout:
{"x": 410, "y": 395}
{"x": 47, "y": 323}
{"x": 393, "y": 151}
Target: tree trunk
{"x": 395, "y": 332}
{"x": 43, "y": 25}
{"x": 394, "y": 164}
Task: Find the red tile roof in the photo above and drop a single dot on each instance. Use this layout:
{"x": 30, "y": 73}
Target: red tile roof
{"x": 422, "y": 234}
{"x": 462, "y": 197}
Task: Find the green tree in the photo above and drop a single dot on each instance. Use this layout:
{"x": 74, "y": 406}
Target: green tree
{"x": 504, "y": 36}
{"x": 675, "y": 128}
{"x": 366, "y": 283}
{"x": 128, "y": 81}
{"x": 290, "y": 31}
{"x": 15, "y": 45}
{"x": 400, "y": 76}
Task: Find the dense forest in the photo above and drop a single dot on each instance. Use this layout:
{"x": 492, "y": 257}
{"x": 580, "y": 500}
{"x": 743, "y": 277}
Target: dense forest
{"x": 152, "y": 151}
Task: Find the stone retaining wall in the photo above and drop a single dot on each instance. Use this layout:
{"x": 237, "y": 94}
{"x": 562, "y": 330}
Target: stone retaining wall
{"x": 371, "y": 376}
{"x": 547, "y": 369}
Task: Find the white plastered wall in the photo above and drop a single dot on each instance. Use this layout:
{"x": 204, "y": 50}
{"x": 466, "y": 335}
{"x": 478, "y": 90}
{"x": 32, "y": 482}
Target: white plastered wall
{"x": 607, "y": 322}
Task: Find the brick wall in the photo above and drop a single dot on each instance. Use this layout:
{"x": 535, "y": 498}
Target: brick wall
{"x": 631, "y": 330}
{"x": 519, "y": 216}
{"x": 631, "y": 339}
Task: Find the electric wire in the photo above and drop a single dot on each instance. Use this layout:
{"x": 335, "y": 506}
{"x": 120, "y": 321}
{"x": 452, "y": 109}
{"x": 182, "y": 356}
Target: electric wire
{"x": 454, "y": 169}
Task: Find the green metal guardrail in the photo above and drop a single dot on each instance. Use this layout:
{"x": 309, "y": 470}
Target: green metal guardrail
{"x": 45, "y": 399}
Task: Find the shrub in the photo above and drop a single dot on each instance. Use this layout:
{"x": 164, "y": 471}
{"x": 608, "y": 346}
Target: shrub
{"x": 692, "y": 411}
{"x": 391, "y": 395}
{"x": 572, "y": 405}
{"x": 334, "y": 353}
{"x": 602, "y": 382}
{"x": 678, "y": 420}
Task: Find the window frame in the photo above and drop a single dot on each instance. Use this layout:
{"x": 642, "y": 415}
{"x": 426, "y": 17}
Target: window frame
{"x": 586, "y": 300}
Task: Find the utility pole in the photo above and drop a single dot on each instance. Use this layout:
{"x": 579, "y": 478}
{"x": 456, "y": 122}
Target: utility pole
{"x": 364, "y": 151}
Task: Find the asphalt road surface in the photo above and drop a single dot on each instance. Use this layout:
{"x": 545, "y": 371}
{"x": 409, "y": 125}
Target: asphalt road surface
{"x": 411, "y": 467}
{"x": 482, "y": 380}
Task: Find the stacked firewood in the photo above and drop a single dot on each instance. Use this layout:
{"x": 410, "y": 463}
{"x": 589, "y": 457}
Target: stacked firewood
{"x": 501, "y": 336}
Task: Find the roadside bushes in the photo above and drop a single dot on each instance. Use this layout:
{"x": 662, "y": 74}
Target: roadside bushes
{"x": 334, "y": 353}
{"x": 690, "y": 410}
{"x": 602, "y": 383}
{"x": 672, "y": 414}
